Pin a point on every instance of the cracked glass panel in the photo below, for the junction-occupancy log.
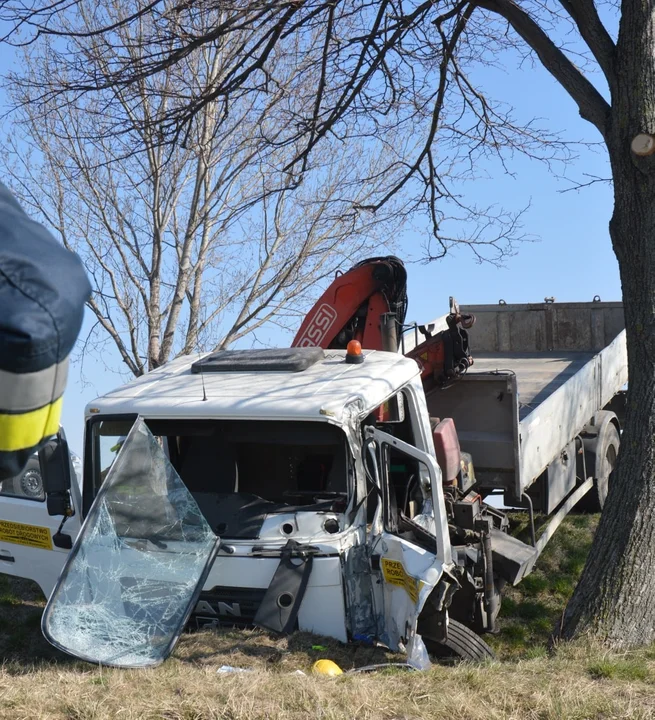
(138, 565)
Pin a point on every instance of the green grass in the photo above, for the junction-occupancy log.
(633, 669)
(531, 610)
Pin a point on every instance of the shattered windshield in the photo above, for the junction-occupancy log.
(138, 564)
(241, 471)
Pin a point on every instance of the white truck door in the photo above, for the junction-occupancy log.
(410, 560)
(33, 542)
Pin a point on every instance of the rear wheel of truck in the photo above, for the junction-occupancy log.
(462, 643)
(605, 457)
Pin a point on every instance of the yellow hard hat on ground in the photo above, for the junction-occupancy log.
(326, 667)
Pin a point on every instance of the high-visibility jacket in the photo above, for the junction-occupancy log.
(43, 289)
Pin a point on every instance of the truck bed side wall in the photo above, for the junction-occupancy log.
(559, 418)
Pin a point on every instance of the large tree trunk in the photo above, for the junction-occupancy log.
(615, 598)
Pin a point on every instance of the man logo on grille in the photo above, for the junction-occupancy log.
(223, 608)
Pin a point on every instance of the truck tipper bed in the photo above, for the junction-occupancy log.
(541, 372)
(540, 409)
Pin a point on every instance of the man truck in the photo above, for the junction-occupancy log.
(338, 486)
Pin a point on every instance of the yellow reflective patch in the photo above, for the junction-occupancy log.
(30, 535)
(25, 430)
(394, 573)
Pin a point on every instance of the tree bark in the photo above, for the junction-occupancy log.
(615, 597)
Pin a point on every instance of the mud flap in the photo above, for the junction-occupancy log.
(279, 608)
(138, 565)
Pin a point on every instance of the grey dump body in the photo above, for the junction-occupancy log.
(540, 374)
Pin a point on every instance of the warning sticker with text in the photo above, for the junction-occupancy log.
(394, 573)
(21, 534)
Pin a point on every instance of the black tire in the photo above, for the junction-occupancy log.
(462, 643)
(594, 500)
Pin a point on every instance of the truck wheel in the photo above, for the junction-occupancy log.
(461, 643)
(31, 484)
(28, 484)
(610, 441)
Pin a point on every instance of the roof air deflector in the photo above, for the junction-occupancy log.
(260, 360)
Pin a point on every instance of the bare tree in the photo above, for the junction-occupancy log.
(369, 73)
(399, 74)
(187, 247)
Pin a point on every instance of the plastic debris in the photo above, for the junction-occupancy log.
(321, 648)
(326, 667)
(382, 666)
(224, 669)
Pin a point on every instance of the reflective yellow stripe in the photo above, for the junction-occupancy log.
(25, 430)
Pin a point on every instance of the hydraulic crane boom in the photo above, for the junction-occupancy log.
(369, 303)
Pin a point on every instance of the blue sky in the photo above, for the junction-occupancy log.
(572, 259)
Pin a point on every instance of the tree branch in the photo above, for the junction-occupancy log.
(590, 102)
(110, 329)
(593, 32)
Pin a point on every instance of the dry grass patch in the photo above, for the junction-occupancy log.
(577, 682)
(187, 687)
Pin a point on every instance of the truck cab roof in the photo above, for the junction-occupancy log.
(319, 392)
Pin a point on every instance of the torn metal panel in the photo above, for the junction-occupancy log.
(360, 601)
(409, 574)
(137, 566)
(281, 603)
(323, 610)
(355, 554)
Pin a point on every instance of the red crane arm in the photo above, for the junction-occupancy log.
(354, 307)
(368, 303)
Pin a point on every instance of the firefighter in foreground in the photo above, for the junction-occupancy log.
(43, 289)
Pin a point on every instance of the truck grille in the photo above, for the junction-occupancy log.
(227, 606)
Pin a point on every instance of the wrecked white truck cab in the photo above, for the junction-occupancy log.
(298, 489)
(290, 489)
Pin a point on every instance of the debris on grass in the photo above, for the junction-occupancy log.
(574, 681)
